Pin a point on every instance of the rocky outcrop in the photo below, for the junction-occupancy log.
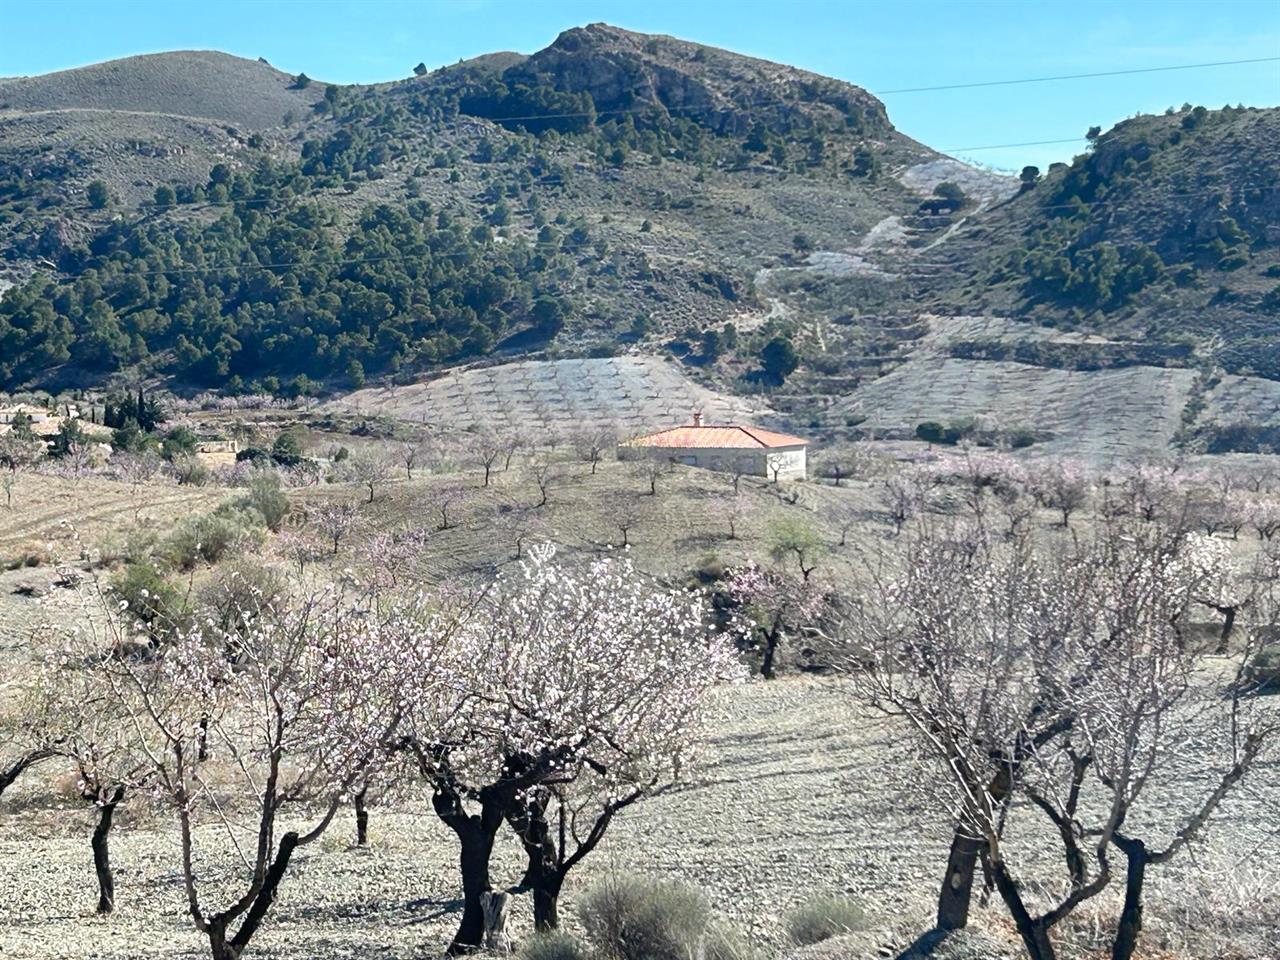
(726, 92)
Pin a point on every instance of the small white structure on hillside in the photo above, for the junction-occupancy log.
(9, 411)
(730, 448)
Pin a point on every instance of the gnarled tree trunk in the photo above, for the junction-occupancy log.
(102, 851)
(1034, 933)
(475, 834)
(1130, 925)
(957, 885)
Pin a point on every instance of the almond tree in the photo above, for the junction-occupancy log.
(1057, 672)
(369, 467)
(1062, 486)
(335, 520)
(1263, 516)
(629, 513)
(903, 495)
(17, 455)
(567, 672)
(652, 469)
(98, 740)
(545, 473)
(954, 644)
(447, 498)
(301, 702)
(485, 449)
(136, 469)
(592, 445)
(411, 452)
(1151, 716)
(730, 510)
(776, 605)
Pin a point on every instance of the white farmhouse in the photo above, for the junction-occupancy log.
(731, 448)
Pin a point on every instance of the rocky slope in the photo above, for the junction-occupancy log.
(695, 203)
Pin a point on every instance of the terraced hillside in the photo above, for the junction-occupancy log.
(535, 397)
(618, 194)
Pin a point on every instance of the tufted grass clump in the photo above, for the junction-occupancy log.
(822, 918)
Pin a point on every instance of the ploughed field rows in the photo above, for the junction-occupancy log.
(52, 519)
(1104, 416)
(557, 396)
(1251, 400)
(798, 794)
(945, 331)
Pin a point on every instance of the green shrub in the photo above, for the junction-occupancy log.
(822, 918)
(636, 918)
(555, 945)
(1264, 667)
(930, 431)
(266, 498)
(190, 472)
(210, 537)
(241, 590)
(152, 600)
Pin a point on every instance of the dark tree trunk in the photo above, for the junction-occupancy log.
(957, 885)
(362, 820)
(544, 875)
(771, 640)
(477, 847)
(265, 898)
(219, 948)
(102, 852)
(546, 906)
(1228, 624)
(1130, 925)
(475, 837)
(1035, 937)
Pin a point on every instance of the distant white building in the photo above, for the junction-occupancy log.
(730, 448)
(37, 414)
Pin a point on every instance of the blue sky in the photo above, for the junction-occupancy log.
(878, 45)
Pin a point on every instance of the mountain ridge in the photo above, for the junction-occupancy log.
(668, 198)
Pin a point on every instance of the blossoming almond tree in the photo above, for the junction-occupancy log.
(776, 605)
(299, 701)
(1060, 673)
(595, 672)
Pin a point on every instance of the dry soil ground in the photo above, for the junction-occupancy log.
(797, 794)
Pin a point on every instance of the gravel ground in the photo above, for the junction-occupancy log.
(797, 795)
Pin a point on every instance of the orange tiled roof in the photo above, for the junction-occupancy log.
(717, 436)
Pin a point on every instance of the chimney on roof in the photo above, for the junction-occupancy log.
(697, 418)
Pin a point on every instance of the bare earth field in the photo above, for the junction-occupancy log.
(797, 795)
(636, 393)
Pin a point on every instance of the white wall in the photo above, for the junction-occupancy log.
(756, 463)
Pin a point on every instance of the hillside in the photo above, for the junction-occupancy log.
(1169, 227)
(203, 84)
(618, 193)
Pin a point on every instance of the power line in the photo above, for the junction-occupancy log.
(1076, 76)
(1003, 146)
(621, 111)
